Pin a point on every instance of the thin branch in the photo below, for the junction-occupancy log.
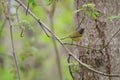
(90, 48)
(45, 31)
(68, 60)
(27, 7)
(83, 18)
(68, 51)
(111, 38)
(7, 16)
(22, 29)
(82, 46)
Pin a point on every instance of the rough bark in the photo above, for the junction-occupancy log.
(97, 34)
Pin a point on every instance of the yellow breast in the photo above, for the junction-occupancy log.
(76, 36)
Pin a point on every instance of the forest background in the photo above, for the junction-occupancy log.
(30, 51)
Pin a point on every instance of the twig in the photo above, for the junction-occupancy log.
(82, 46)
(68, 51)
(7, 16)
(22, 30)
(68, 60)
(27, 7)
(111, 38)
(83, 18)
(90, 48)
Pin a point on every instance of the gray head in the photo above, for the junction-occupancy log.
(81, 31)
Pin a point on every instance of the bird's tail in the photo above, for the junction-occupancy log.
(64, 37)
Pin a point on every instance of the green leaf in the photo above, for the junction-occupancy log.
(113, 17)
(85, 6)
(75, 63)
(70, 64)
(49, 1)
(75, 68)
(89, 5)
(97, 14)
(22, 31)
(21, 23)
(79, 10)
(94, 14)
(33, 3)
(22, 68)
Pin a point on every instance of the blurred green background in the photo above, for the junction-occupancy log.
(35, 51)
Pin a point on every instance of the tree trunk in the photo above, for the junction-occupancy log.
(98, 33)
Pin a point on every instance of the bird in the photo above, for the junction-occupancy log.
(76, 35)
